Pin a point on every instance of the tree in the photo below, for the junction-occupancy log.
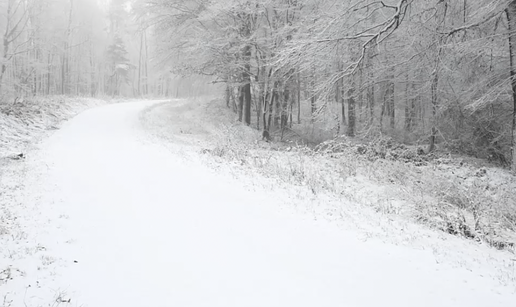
(119, 65)
(511, 22)
(17, 17)
(278, 55)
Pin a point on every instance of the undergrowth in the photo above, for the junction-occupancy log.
(436, 190)
(22, 121)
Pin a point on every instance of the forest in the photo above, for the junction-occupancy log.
(257, 153)
(80, 48)
(431, 73)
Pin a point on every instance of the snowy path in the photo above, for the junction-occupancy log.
(149, 230)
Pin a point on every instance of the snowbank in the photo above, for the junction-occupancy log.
(22, 126)
(449, 193)
(24, 122)
(346, 192)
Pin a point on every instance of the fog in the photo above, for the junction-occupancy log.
(84, 48)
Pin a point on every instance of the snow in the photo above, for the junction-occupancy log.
(24, 122)
(112, 217)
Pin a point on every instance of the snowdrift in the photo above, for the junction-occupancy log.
(23, 122)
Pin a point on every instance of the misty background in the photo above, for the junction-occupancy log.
(83, 47)
(429, 73)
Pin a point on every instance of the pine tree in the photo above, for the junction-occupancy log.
(119, 65)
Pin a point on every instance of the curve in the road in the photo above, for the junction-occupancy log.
(150, 230)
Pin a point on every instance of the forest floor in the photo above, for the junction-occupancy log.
(456, 194)
(175, 204)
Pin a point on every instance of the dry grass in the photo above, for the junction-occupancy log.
(21, 126)
(23, 121)
(440, 191)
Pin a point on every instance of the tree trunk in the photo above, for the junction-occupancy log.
(351, 111)
(337, 90)
(342, 101)
(240, 102)
(140, 66)
(388, 103)
(370, 77)
(227, 95)
(392, 106)
(145, 65)
(259, 108)
(285, 106)
(298, 97)
(408, 103)
(370, 102)
(246, 88)
(313, 106)
(277, 105)
(265, 111)
(234, 103)
(511, 18)
(313, 98)
(435, 80)
(435, 83)
(413, 107)
(4, 63)
(271, 104)
(360, 92)
(65, 81)
(382, 112)
(408, 118)
(49, 75)
(6, 43)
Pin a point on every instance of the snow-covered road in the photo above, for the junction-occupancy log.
(142, 227)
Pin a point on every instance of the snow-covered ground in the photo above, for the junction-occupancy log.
(112, 217)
